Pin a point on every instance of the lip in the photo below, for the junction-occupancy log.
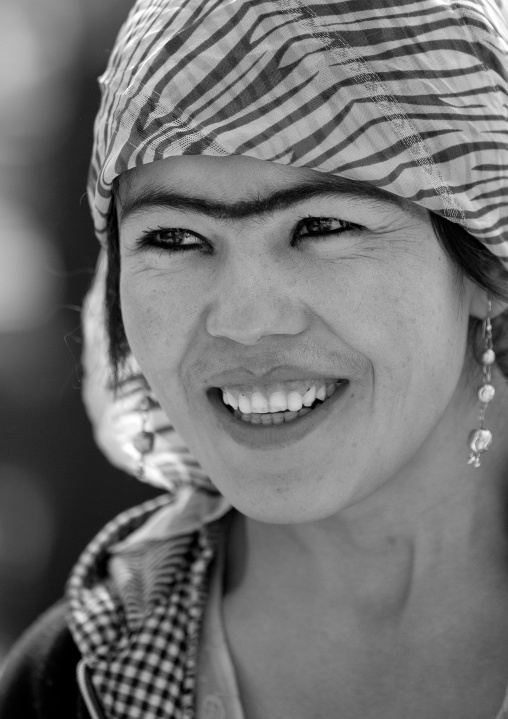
(258, 436)
(281, 373)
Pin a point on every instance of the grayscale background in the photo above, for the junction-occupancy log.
(56, 489)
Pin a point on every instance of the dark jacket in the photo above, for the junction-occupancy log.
(39, 679)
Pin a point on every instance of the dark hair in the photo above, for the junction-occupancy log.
(473, 260)
(470, 257)
(119, 348)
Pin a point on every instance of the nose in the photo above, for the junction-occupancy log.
(249, 304)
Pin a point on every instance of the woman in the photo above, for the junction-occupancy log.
(307, 253)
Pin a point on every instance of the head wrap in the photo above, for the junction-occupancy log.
(411, 97)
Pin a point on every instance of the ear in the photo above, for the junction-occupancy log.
(479, 304)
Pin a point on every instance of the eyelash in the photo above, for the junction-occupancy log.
(150, 241)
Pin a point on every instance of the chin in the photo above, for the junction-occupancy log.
(285, 502)
(276, 515)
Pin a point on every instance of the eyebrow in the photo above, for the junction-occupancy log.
(151, 196)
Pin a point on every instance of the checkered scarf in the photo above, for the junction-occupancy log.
(136, 600)
(409, 96)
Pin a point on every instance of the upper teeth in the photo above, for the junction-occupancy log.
(278, 397)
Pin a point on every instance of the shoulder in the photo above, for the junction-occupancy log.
(39, 674)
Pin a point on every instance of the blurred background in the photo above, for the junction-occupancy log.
(56, 489)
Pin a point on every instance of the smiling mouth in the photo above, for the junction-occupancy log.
(277, 418)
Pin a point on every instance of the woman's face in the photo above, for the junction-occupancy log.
(262, 305)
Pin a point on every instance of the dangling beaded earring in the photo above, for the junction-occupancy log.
(480, 439)
(144, 441)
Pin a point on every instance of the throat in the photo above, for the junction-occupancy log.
(289, 564)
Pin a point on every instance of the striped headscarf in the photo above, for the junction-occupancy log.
(409, 96)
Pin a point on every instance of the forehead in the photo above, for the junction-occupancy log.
(240, 175)
(238, 187)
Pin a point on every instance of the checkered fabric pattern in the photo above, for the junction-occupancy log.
(409, 96)
(136, 611)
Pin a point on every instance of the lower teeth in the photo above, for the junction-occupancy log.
(272, 418)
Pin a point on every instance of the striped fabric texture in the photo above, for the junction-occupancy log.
(408, 96)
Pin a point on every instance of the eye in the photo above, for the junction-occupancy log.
(319, 226)
(170, 239)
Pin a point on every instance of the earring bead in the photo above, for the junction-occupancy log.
(488, 357)
(480, 439)
(486, 393)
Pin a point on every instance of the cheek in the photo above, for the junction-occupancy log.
(385, 312)
(363, 307)
(158, 318)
